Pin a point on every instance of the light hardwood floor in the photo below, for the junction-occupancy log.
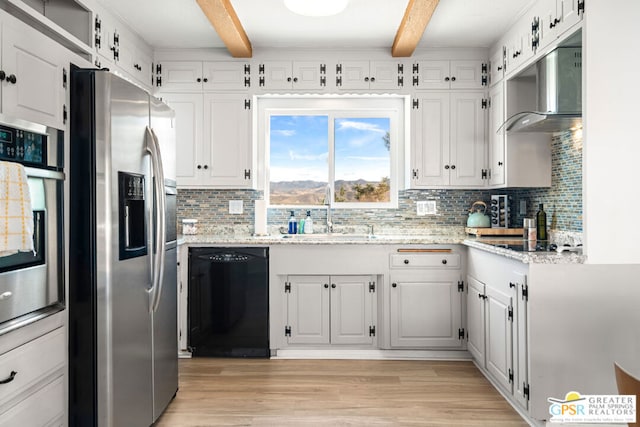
(261, 392)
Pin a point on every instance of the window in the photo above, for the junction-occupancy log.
(351, 146)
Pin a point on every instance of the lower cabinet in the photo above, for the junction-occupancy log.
(426, 297)
(330, 309)
(32, 392)
(497, 295)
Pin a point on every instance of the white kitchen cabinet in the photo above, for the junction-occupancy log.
(296, 75)
(426, 301)
(34, 77)
(450, 75)
(496, 135)
(356, 75)
(330, 309)
(448, 142)
(557, 16)
(498, 336)
(33, 392)
(136, 62)
(497, 317)
(208, 76)
(497, 65)
(475, 319)
(213, 135)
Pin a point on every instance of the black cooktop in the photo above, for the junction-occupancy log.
(528, 246)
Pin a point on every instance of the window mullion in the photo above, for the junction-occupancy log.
(331, 158)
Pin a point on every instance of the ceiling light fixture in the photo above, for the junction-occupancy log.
(316, 7)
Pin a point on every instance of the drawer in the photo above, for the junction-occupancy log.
(45, 407)
(425, 260)
(31, 362)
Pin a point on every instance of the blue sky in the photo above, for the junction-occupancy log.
(299, 149)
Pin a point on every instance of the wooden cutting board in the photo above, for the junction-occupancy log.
(494, 231)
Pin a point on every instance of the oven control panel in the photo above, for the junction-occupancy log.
(23, 146)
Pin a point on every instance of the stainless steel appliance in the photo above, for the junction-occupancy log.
(122, 254)
(559, 97)
(32, 284)
(229, 302)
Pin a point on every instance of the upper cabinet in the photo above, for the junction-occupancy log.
(118, 48)
(450, 75)
(33, 77)
(213, 134)
(197, 76)
(448, 140)
(556, 16)
(367, 75)
(296, 75)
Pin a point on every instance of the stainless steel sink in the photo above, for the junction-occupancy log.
(330, 236)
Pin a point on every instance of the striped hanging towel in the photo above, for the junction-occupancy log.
(16, 214)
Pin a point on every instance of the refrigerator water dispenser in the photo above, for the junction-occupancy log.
(131, 215)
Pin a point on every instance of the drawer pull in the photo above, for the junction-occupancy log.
(406, 261)
(394, 285)
(10, 378)
(444, 261)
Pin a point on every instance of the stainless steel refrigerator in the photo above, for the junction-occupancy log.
(123, 367)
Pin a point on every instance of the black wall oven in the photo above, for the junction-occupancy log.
(32, 284)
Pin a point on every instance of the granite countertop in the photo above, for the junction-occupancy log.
(448, 237)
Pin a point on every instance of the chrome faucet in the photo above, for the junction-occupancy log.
(327, 202)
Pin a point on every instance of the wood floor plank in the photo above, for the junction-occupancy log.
(262, 392)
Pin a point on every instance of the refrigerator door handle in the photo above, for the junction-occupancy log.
(153, 148)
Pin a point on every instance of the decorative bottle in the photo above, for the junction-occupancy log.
(541, 223)
(308, 224)
(293, 224)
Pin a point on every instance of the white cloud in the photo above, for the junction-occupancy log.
(312, 157)
(284, 132)
(346, 124)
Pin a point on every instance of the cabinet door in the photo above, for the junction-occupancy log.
(425, 310)
(466, 75)
(219, 75)
(181, 76)
(467, 143)
(521, 339)
(570, 15)
(353, 75)
(227, 136)
(496, 139)
(430, 142)
(499, 324)
(308, 309)
(309, 75)
(276, 75)
(36, 92)
(475, 320)
(190, 153)
(433, 75)
(352, 310)
(496, 66)
(384, 75)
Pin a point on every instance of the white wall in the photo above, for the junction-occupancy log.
(611, 168)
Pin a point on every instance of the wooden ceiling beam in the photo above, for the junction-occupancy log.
(413, 24)
(226, 23)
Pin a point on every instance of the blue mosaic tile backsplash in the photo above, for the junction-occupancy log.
(562, 202)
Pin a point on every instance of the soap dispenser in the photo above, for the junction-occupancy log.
(293, 224)
(308, 224)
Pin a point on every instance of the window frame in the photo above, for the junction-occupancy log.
(394, 107)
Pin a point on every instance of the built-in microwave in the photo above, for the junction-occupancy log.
(32, 283)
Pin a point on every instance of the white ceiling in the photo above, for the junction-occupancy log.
(364, 24)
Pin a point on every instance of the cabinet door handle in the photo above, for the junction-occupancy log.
(453, 166)
(444, 261)
(446, 166)
(198, 79)
(333, 285)
(12, 79)
(394, 285)
(406, 261)
(10, 378)
(205, 80)
(326, 286)
(373, 79)
(3, 75)
(289, 79)
(206, 166)
(453, 79)
(295, 80)
(512, 285)
(199, 166)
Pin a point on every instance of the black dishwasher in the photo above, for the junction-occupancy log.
(228, 302)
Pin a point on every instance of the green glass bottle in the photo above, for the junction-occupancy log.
(541, 223)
